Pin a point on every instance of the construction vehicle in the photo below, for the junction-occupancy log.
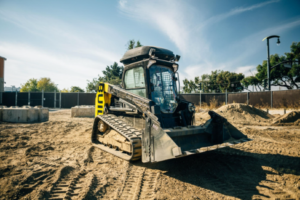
(144, 118)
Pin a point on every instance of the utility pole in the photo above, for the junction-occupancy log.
(54, 98)
(42, 98)
(268, 60)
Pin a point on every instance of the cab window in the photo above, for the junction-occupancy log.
(135, 81)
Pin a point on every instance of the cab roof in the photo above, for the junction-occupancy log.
(139, 53)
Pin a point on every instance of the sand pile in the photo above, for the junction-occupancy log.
(239, 113)
(289, 119)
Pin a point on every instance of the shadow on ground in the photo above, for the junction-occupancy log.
(230, 172)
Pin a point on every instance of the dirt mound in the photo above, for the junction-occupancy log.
(239, 113)
(297, 123)
(292, 117)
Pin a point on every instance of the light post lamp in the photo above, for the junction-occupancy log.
(268, 61)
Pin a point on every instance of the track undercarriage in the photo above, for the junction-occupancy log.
(117, 137)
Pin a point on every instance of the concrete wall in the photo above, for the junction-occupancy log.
(1, 113)
(24, 114)
(83, 111)
(278, 111)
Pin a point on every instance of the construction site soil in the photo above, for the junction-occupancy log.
(56, 160)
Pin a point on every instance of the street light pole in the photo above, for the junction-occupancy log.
(268, 61)
(268, 65)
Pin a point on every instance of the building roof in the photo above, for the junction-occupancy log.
(3, 57)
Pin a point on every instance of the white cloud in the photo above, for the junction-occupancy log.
(244, 49)
(25, 62)
(176, 20)
(70, 55)
(246, 70)
(172, 18)
(235, 11)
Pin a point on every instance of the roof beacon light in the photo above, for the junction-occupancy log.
(151, 52)
(177, 58)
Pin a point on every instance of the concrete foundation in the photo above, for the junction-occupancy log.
(25, 114)
(43, 114)
(83, 111)
(1, 109)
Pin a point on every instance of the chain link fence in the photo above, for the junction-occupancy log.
(267, 99)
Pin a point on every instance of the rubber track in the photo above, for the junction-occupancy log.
(129, 132)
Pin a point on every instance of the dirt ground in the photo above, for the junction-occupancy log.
(55, 160)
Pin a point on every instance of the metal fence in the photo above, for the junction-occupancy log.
(47, 99)
(272, 99)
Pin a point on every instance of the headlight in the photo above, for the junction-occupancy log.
(191, 107)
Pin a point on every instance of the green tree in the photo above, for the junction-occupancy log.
(217, 81)
(47, 85)
(251, 80)
(112, 74)
(76, 89)
(186, 86)
(39, 85)
(132, 44)
(229, 81)
(138, 44)
(30, 85)
(280, 75)
(190, 86)
(65, 90)
(113, 71)
(220, 81)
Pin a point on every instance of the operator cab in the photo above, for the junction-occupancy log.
(151, 72)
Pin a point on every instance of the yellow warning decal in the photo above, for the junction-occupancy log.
(102, 98)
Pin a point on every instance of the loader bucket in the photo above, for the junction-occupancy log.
(163, 144)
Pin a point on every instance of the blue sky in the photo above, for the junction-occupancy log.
(72, 41)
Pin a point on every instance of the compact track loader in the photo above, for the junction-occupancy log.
(144, 118)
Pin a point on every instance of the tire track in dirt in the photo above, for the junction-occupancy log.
(34, 180)
(278, 186)
(139, 183)
(72, 184)
(277, 163)
(119, 179)
(108, 172)
(149, 184)
(266, 147)
(132, 184)
(61, 184)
